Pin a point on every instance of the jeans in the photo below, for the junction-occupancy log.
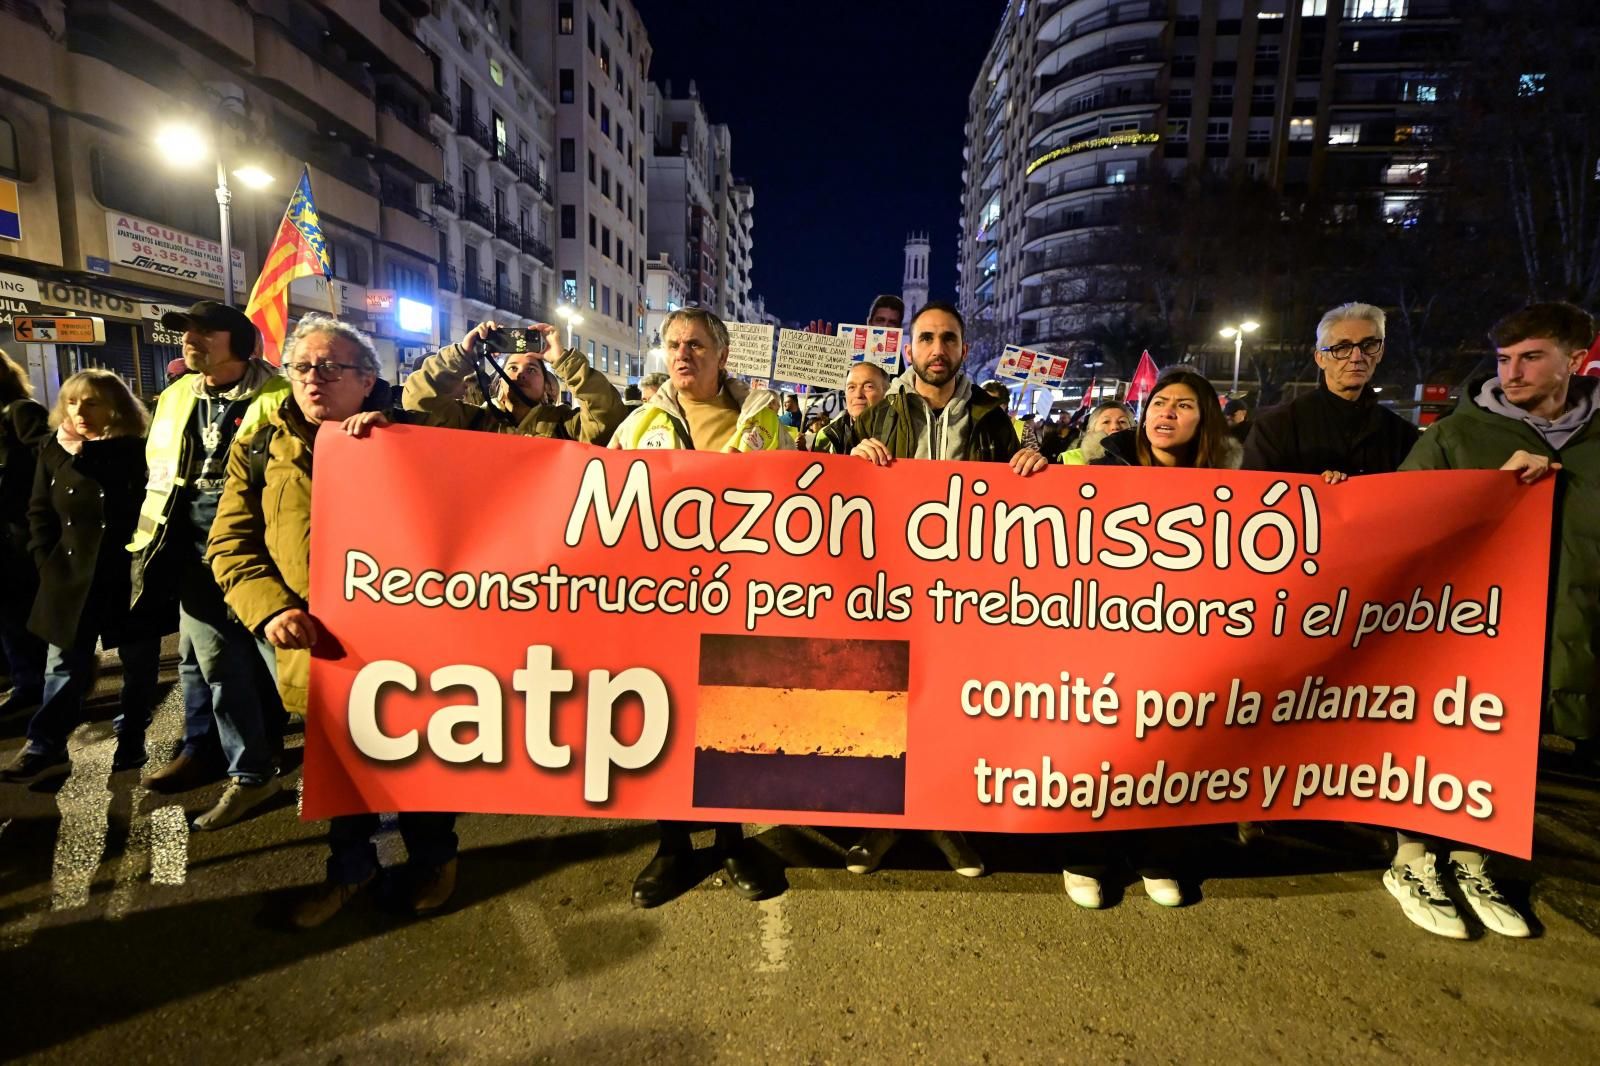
(68, 672)
(25, 658)
(199, 728)
(430, 840)
(238, 668)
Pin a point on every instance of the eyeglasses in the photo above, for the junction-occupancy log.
(1345, 349)
(327, 373)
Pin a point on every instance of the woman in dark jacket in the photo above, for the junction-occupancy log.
(24, 428)
(85, 503)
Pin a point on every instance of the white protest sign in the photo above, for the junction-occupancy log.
(812, 358)
(1016, 363)
(874, 344)
(750, 350)
(1048, 370)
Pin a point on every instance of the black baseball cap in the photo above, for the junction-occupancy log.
(210, 316)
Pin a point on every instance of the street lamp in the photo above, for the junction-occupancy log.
(180, 144)
(1249, 325)
(570, 316)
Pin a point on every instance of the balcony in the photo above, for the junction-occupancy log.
(1078, 254)
(380, 36)
(1115, 95)
(509, 299)
(406, 230)
(411, 149)
(528, 174)
(506, 229)
(32, 58)
(341, 92)
(449, 277)
(531, 245)
(444, 198)
(479, 288)
(1069, 184)
(1129, 53)
(472, 128)
(477, 213)
(227, 25)
(508, 159)
(338, 198)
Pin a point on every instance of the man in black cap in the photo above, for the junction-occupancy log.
(230, 392)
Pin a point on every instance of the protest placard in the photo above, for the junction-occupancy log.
(811, 359)
(788, 638)
(874, 344)
(750, 350)
(1016, 362)
(1049, 371)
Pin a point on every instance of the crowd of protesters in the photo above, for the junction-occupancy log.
(120, 526)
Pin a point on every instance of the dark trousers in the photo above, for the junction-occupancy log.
(675, 836)
(68, 674)
(25, 655)
(199, 727)
(429, 836)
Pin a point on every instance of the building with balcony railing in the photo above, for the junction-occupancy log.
(1080, 101)
(108, 227)
(496, 121)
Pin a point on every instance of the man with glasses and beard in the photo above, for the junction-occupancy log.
(1340, 429)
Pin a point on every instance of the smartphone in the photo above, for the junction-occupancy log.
(514, 341)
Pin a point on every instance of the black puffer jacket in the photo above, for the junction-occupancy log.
(24, 429)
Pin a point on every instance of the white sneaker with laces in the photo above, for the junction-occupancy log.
(1164, 890)
(1083, 890)
(238, 800)
(961, 856)
(1422, 897)
(1484, 898)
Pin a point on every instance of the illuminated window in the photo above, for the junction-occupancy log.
(1530, 85)
(1375, 9)
(1405, 174)
(1178, 130)
(1344, 133)
(1302, 129)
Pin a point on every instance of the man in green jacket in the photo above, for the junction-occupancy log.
(1536, 416)
(431, 391)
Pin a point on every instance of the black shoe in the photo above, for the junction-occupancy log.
(745, 872)
(30, 764)
(663, 879)
(130, 754)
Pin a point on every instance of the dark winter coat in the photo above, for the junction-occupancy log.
(837, 437)
(1472, 438)
(902, 420)
(1320, 432)
(24, 428)
(82, 513)
(1121, 449)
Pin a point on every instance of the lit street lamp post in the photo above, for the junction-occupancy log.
(570, 316)
(1237, 334)
(181, 145)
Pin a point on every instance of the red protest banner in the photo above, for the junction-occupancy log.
(527, 626)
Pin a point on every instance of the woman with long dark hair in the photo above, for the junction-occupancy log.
(24, 428)
(85, 503)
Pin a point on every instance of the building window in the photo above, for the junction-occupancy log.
(1124, 126)
(1405, 174)
(605, 182)
(605, 58)
(605, 241)
(502, 137)
(564, 17)
(593, 302)
(593, 229)
(1178, 130)
(605, 119)
(591, 35)
(1217, 130)
(1119, 173)
(1374, 9)
(8, 149)
(591, 100)
(1344, 133)
(569, 222)
(1302, 129)
(1222, 90)
(569, 286)
(568, 85)
(569, 155)
(605, 299)
(592, 168)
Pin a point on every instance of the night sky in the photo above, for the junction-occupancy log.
(847, 119)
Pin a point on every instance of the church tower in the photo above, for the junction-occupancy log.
(914, 286)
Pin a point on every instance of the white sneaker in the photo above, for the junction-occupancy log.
(1422, 897)
(957, 852)
(1164, 890)
(1083, 890)
(866, 854)
(238, 800)
(1492, 910)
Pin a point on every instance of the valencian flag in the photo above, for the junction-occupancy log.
(802, 724)
(298, 251)
(1144, 379)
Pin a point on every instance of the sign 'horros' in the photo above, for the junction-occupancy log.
(792, 638)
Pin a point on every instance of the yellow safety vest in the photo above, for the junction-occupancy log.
(656, 427)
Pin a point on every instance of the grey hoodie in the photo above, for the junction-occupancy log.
(1556, 432)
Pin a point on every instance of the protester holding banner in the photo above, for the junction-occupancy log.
(701, 407)
(431, 391)
(865, 385)
(85, 501)
(1538, 417)
(260, 551)
(24, 430)
(196, 419)
(1107, 418)
(1339, 429)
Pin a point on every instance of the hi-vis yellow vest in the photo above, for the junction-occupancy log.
(163, 449)
(655, 427)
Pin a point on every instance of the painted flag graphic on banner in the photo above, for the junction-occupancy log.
(802, 724)
(298, 251)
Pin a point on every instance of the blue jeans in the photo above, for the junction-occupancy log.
(25, 659)
(429, 836)
(66, 682)
(239, 670)
(199, 728)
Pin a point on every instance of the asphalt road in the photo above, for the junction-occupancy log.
(126, 938)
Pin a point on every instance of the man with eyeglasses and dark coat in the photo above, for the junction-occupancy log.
(1339, 430)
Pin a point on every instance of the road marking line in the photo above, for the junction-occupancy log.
(775, 936)
(169, 845)
(85, 803)
(166, 728)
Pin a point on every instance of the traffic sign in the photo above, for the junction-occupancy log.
(85, 329)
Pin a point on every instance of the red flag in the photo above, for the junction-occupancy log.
(1088, 394)
(1591, 366)
(1144, 379)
